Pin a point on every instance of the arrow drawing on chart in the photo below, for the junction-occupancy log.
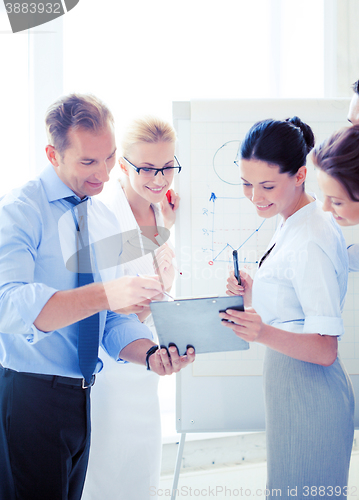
(213, 199)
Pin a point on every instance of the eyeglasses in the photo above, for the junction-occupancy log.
(152, 172)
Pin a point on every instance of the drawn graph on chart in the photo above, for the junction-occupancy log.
(248, 248)
(228, 222)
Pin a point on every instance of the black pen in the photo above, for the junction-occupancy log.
(236, 269)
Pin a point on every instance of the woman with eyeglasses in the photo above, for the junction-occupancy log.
(297, 296)
(126, 443)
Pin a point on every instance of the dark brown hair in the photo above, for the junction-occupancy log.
(338, 157)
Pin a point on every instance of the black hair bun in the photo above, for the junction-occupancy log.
(306, 131)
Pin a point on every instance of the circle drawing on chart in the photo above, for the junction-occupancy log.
(223, 163)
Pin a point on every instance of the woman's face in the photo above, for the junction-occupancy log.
(151, 155)
(337, 201)
(271, 192)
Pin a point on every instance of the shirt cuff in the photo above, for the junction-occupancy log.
(24, 304)
(324, 325)
(127, 330)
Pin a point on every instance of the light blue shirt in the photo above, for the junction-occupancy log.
(301, 285)
(37, 234)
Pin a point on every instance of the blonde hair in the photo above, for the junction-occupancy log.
(73, 112)
(148, 129)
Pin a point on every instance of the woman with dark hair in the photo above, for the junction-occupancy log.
(353, 113)
(298, 293)
(337, 162)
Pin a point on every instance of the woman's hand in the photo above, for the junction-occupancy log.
(247, 325)
(245, 289)
(163, 265)
(169, 209)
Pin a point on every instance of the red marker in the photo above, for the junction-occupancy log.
(169, 199)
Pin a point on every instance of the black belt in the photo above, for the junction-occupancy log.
(57, 379)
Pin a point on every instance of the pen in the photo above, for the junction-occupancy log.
(168, 295)
(236, 270)
(169, 199)
(163, 291)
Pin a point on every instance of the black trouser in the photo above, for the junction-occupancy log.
(44, 437)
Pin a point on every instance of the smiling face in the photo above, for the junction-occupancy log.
(85, 165)
(270, 191)
(148, 155)
(337, 201)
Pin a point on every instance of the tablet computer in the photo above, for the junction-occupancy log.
(196, 322)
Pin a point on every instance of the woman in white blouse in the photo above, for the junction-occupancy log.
(126, 444)
(297, 296)
(337, 162)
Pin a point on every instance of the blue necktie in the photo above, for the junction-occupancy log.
(88, 339)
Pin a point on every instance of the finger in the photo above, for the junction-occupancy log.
(237, 314)
(150, 284)
(164, 250)
(236, 290)
(164, 258)
(232, 325)
(176, 202)
(239, 330)
(191, 354)
(137, 309)
(175, 358)
(166, 361)
(145, 303)
(155, 362)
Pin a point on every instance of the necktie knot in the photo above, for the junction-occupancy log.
(74, 201)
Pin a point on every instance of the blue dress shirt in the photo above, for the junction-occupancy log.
(37, 236)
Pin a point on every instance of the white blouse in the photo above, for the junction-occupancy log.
(301, 285)
(134, 244)
(353, 253)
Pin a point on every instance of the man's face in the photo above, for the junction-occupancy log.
(353, 115)
(85, 165)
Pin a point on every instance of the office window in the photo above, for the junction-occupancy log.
(148, 54)
(14, 123)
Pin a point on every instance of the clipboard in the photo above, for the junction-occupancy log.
(196, 322)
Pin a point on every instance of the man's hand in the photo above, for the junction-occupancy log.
(166, 363)
(142, 308)
(129, 291)
(161, 361)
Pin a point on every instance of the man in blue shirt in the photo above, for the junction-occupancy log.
(44, 400)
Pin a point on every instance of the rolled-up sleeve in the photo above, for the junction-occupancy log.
(21, 300)
(316, 285)
(121, 330)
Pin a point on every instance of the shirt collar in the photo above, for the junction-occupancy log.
(54, 188)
